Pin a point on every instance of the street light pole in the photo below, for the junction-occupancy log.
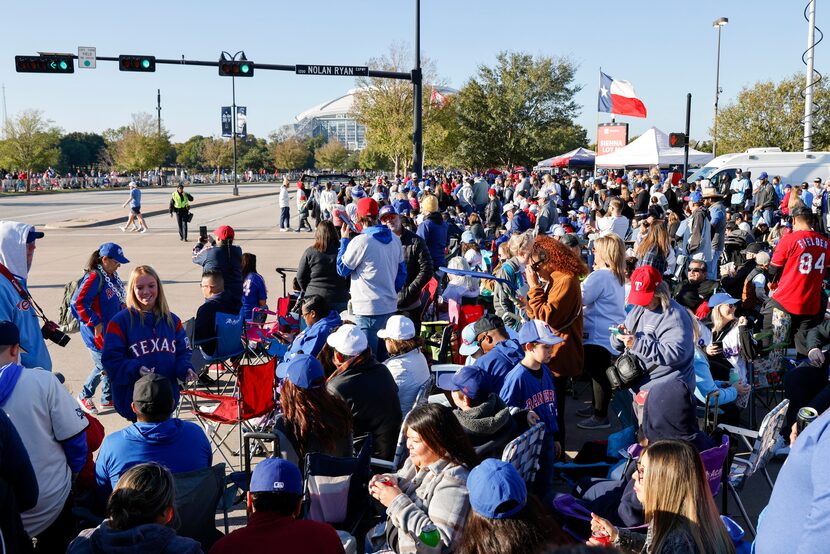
(418, 93)
(233, 115)
(720, 22)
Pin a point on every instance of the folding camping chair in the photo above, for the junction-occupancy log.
(198, 494)
(254, 399)
(266, 338)
(336, 489)
(401, 453)
(229, 347)
(428, 294)
(760, 452)
(524, 451)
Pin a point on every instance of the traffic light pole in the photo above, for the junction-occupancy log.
(686, 147)
(233, 116)
(418, 100)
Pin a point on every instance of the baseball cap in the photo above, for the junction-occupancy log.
(754, 247)
(817, 180)
(763, 175)
(721, 298)
(398, 327)
(468, 237)
(762, 258)
(112, 250)
(644, 281)
(387, 210)
(470, 380)
(224, 232)
(358, 192)
(695, 197)
(367, 207)
(131, 184)
(276, 475)
(507, 207)
(469, 344)
(491, 192)
(537, 331)
(496, 489)
(33, 235)
(153, 395)
(487, 323)
(9, 334)
(302, 370)
(349, 340)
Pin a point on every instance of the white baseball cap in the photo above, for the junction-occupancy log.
(349, 340)
(398, 327)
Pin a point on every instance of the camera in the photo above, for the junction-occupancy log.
(51, 332)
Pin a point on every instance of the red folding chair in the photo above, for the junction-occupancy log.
(255, 398)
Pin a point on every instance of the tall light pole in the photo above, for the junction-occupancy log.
(223, 57)
(811, 80)
(418, 93)
(718, 23)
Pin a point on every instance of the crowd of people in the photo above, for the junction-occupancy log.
(662, 294)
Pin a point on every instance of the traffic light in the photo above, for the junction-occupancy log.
(236, 68)
(53, 63)
(677, 140)
(137, 63)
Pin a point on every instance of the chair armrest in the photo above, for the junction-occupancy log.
(749, 433)
(385, 464)
(206, 396)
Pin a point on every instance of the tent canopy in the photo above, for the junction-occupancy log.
(581, 157)
(651, 149)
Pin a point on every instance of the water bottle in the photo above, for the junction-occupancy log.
(734, 377)
(430, 539)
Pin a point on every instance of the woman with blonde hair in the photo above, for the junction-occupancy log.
(145, 337)
(553, 276)
(682, 518)
(655, 248)
(434, 230)
(603, 300)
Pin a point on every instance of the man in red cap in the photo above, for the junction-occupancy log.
(374, 261)
(226, 258)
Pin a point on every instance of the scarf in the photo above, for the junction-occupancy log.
(9, 374)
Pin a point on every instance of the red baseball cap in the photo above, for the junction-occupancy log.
(643, 282)
(491, 192)
(367, 207)
(224, 232)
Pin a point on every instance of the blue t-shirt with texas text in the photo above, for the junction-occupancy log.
(526, 391)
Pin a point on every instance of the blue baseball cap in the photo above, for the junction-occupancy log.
(276, 475)
(302, 370)
(494, 485)
(469, 344)
(469, 380)
(538, 331)
(9, 334)
(696, 197)
(387, 210)
(112, 250)
(721, 298)
(468, 237)
(763, 175)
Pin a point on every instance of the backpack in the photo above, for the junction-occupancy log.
(68, 320)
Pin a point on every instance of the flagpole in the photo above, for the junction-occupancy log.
(599, 86)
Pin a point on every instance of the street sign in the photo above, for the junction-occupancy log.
(333, 70)
(86, 57)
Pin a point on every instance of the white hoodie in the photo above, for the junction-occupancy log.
(284, 200)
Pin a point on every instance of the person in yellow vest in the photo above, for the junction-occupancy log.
(180, 204)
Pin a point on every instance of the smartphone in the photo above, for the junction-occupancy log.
(615, 330)
(203, 232)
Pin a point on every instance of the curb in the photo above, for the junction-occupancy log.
(70, 225)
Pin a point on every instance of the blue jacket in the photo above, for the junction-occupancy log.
(229, 262)
(313, 338)
(434, 230)
(178, 445)
(130, 343)
(520, 222)
(499, 362)
(150, 537)
(95, 302)
(524, 391)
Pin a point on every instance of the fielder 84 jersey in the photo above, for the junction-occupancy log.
(804, 256)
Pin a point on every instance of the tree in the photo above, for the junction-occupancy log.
(218, 153)
(518, 112)
(290, 154)
(370, 159)
(139, 146)
(189, 154)
(80, 150)
(253, 153)
(332, 155)
(31, 143)
(771, 114)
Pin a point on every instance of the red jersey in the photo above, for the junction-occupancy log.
(803, 255)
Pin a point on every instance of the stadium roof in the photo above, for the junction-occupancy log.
(343, 105)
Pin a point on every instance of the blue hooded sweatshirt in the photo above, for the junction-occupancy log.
(130, 343)
(150, 537)
(95, 302)
(313, 338)
(435, 232)
(498, 362)
(178, 445)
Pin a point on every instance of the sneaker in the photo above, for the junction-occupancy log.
(107, 404)
(123, 228)
(587, 411)
(143, 230)
(87, 405)
(594, 422)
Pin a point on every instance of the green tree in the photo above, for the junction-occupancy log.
(290, 154)
(519, 111)
(189, 154)
(31, 143)
(370, 159)
(80, 150)
(771, 114)
(332, 155)
(139, 146)
(217, 153)
(253, 153)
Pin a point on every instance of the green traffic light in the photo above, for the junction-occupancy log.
(245, 68)
(63, 65)
(145, 63)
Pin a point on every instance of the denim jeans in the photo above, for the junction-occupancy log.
(95, 377)
(285, 218)
(713, 267)
(371, 324)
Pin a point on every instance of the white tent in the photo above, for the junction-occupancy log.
(650, 149)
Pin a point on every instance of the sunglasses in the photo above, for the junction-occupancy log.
(696, 270)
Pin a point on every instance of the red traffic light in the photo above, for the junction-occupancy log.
(677, 140)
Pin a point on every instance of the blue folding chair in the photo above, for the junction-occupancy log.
(229, 348)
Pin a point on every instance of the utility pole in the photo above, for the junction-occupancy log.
(418, 93)
(686, 145)
(158, 109)
(808, 91)
(718, 24)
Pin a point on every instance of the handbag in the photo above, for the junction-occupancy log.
(189, 217)
(628, 368)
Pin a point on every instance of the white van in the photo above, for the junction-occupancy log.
(793, 167)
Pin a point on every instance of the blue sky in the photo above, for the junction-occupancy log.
(664, 48)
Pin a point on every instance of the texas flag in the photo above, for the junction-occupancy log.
(618, 97)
